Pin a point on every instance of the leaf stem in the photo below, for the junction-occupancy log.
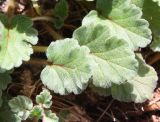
(43, 18)
(52, 32)
(39, 62)
(11, 5)
(40, 49)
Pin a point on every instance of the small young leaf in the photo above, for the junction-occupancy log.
(44, 99)
(21, 105)
(36, 112)
(50, 117)
(123, 20)
(71, 68)
(17, 35)
(61, 12)
(116, 62)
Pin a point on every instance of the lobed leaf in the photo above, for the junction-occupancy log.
(61, 12)
(123, 20)
(50, 117)
(115, 60)
(17, 35)
(21, 106)
(37, 112)
(138, 90)
(44, 98)
(71, 68)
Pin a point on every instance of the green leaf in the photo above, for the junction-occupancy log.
(36, 112)
(6, 115)
(151, 12)
(123, 20)
(21, 105)
(71, 68)
(115, 60)
(139, 89)
(50, 117)
(44, 99)
(138, 3)
(61, 12)
(17, 35)
(5, 79)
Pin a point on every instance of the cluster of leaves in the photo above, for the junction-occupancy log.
(23, 108)
(102, 53)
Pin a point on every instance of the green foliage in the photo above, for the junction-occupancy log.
(111, 68)
(50, 117)
(5, 79)
(44, 99)
(124, 21)
(17, 35)
(37, 112)
(6, 115)
(70, 69)
(23, 108)
(138, 89)
(152, 15)
(100, 53)
(61, 13)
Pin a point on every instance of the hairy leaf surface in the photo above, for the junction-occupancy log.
(124, 21)
(44, 98)
(139, 89)
(70, 70)
(21, 105)
(17, 35)
(115, 60)
(61, 13)
(50, 117)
